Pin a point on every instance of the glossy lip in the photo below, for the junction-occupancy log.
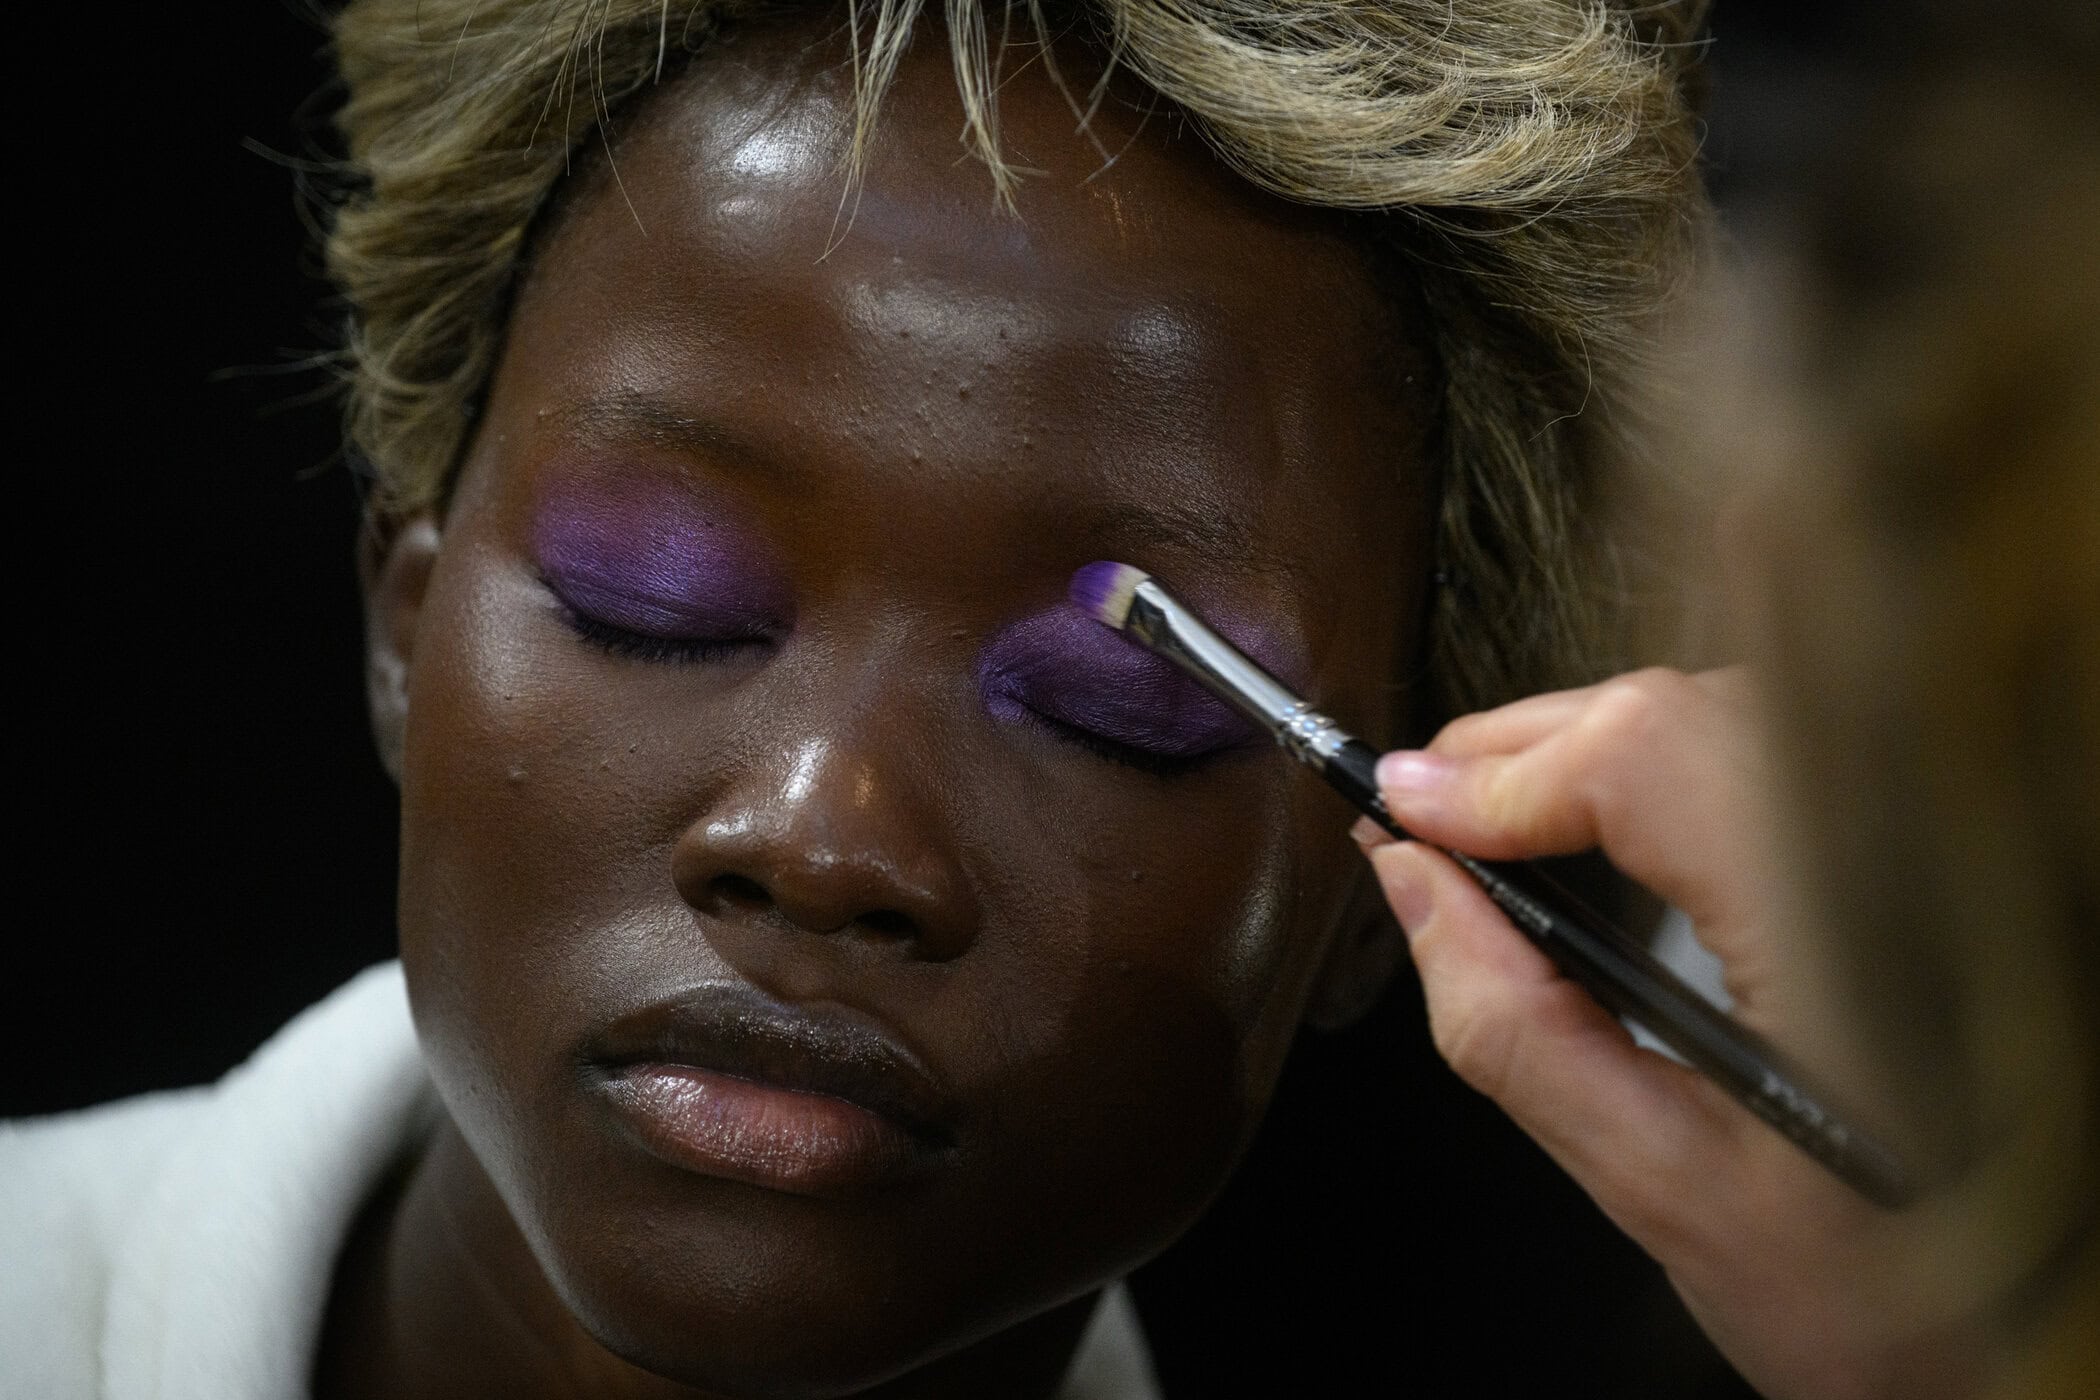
(724, 1082)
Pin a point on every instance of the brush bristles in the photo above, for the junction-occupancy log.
(1105, 589)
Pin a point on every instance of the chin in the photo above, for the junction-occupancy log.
(752, 1295)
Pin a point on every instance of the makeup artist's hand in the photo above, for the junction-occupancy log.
(1786, 1269)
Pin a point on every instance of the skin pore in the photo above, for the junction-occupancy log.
(734, 690)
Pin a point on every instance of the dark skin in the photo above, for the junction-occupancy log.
(927, 415)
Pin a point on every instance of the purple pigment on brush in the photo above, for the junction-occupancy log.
(1063, 665)
(654, 560)
(1092, 583)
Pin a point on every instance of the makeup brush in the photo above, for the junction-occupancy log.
(1614, 968)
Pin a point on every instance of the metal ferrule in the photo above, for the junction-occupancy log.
(1174, 632)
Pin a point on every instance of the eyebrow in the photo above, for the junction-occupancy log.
(635, 414)
(1125, 527)
(1212, 537)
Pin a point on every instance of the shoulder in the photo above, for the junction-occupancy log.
(66, 1184)
(84, 1161)
(203, 1220)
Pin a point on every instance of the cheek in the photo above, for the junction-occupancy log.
(1216, 889)
(530, 810)
(1151, 1003)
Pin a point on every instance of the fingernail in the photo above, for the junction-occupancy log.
(1412, 774)
(1406, 891)
(1369, 835)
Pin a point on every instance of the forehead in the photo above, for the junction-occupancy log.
(759, 133)
(1133, 201)
(1144, 324)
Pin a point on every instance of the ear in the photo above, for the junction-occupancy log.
(1360, 961)
(394, 562)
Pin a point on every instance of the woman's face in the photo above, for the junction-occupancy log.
(831, 946)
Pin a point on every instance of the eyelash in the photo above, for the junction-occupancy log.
(641, 646)
(1127, 755)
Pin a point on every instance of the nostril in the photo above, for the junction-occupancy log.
(731, 893)
(888, 923)
(740, 891)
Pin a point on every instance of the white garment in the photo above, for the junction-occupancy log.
(180, 1246)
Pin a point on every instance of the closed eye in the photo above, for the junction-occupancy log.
(646, 646)
(649, 644)
(1163, 765)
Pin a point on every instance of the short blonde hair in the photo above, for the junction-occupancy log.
(1535, 163)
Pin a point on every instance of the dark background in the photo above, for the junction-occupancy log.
(208, 840)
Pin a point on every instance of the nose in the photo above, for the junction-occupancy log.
(834, 836)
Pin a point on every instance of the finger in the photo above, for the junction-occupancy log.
(1652, 768)
(1508, 728)
(1518, 725)
(1638, 1131)
(1369, 835)
(1495, 806)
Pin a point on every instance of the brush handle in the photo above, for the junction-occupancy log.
(1631, 982)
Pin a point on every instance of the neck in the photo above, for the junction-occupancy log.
(438, 1295)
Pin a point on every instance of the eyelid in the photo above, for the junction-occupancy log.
(1164, 765)
(645, 646)
(628, 641)
(674, 617)
(1062, 669)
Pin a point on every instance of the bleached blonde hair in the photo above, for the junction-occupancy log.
(1534, 160)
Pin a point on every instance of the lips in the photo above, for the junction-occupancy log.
(723, 1082)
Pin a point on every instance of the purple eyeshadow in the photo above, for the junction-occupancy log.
(1063, 665)
(654, 560)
